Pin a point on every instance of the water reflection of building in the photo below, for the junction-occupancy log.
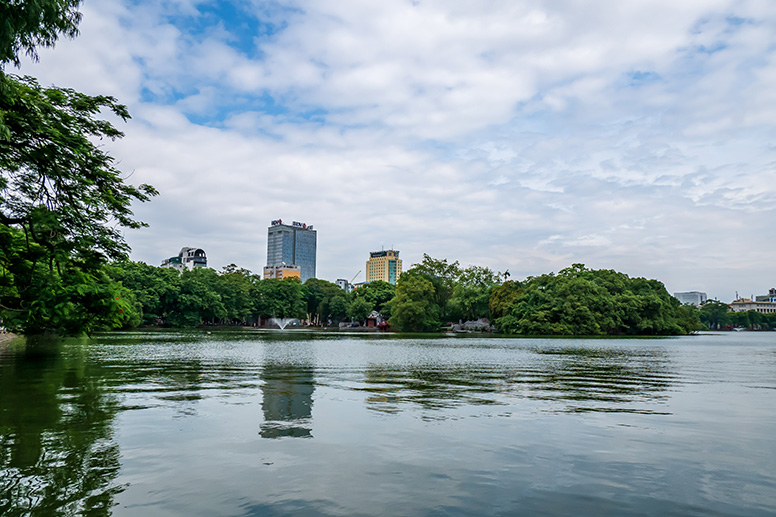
(287, 401)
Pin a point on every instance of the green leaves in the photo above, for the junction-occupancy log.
(25, 25)
(62, 209)
(579, 301)
(415, 308)
(62, 202)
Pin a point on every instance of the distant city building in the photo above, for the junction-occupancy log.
(770, 297)
(188, 258)
(281, 272)
(762, 304)
(344, 285)
(693, 297)
(383, 265)
(292, 245)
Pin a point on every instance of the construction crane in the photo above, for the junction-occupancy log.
(354, 276)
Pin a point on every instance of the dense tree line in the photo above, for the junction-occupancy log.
(718, 316)
(235, 296)
(575, 301)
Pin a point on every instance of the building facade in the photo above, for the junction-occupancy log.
(343, 284)
(747, 304)
(383, 265)
(281, 272)
(762, 304)
(693, 297)
(292, 245)
(188, 258)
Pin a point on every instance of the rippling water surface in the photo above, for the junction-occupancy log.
(280, 423)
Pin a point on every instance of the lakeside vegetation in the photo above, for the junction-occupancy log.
(575, 301)
(431, 294)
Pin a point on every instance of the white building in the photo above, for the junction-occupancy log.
(188, 258)
(344, 285)
(762, 304)
(692, 297)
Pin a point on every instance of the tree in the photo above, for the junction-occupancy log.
(319, 293)
(359, 309)
(442, 276)
(415, 308)
(336, 308)
(377, 293)
(280, 298)
(471, 293)
(28, 25)
(63, 202)
(156, 289)
(715, 314)
(235, 286)
(199, 300)
(579, 301)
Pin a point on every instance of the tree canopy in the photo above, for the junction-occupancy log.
(63, 203)
(26, 25)
(580, 301)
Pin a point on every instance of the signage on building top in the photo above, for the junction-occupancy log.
(304, 226)
(295, 224)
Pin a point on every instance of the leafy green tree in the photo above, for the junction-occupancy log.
(415, 306)
(319, 293)
(377, 293)
(443, 277)
(471, 293)
(235, 286)
(359, 309)
(280, 298)
(336, 308)
(31, 24)
(198, 301)
(579, 301)
(715, 314)
(62, 202)
(156, 289)
(691, 317)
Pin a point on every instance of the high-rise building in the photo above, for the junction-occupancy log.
(292, 245)
(383, 265)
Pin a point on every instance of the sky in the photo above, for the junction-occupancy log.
(521, 135)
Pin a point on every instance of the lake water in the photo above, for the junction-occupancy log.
(303, 423)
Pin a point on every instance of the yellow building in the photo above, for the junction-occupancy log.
(383, 265)
(281, 272)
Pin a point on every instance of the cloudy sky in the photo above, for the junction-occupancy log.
(520, 134)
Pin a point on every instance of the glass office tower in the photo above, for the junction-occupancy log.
(293, 244)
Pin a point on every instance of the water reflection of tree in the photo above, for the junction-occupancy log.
(57, 452)
(599, 378)
(431, 387)
(582, 378)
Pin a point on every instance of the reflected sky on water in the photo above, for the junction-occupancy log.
(277, 423)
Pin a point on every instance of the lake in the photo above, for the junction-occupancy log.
(251, 422)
